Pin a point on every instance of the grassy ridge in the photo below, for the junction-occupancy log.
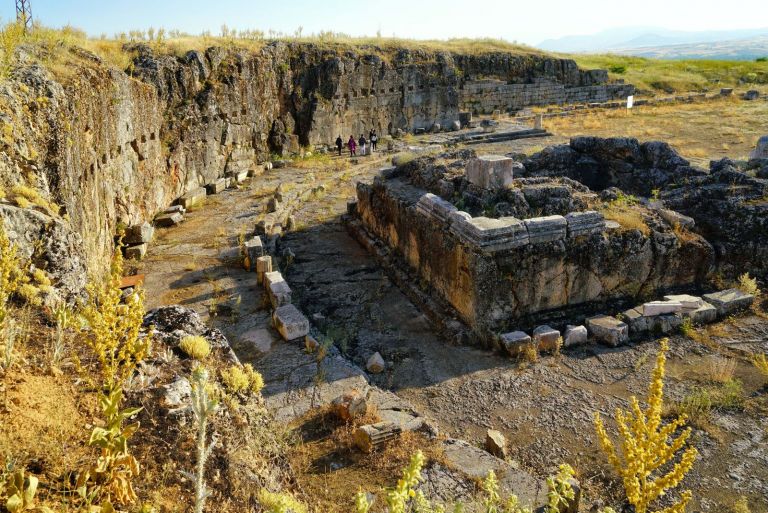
(676, 76)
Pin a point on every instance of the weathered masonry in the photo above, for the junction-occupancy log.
(506, 272)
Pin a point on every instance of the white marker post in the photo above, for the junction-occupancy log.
(630, 102)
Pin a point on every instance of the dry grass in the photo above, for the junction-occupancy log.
(628, 217)
(701, 131)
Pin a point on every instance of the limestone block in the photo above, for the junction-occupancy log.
(434, 206)
(217, 186)
(496, 443)
(515, 342)
(192, 197)
(575, 335)
(608, 330)
(371, 436)
(638, 323)
(761, 149)
(661, 308)
(175, 208)
(546, 338)
(263, 266)
(584, 223)
(676, 218)
(136, 252)
(375, 363)
(705, 314)
(254, 249)
(169, 220)
(729, 301)
(273, 205)
(546, 229)
(139, 234)
(460, 217)
(277, 289)
(239, 176)
(666, 324)
(290, 322)
(492, 234)
(687, 301)
(492, 171)
(268, 166)
(752, 94)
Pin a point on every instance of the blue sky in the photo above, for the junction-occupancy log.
(529, 21)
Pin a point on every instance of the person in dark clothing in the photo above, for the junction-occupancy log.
(339, 144)
(352, 145)
(373, 138)
(362, 142)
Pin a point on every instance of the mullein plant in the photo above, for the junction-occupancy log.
(648, 447)
(112, 331)
(204, 406)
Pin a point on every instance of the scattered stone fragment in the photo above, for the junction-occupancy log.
(496, 443)
(575, 335)
(661, 308)
(290, 322)
(136, 252)
(546, 338)
(311, 344)
(705, 314)
(268, 166)
(608, 330)
(254, 249)
(139, 234)
(375, 364)
(192, 197)
(175, 208)
(676, 218)
(350, 405)
(729, 301)
(169, 220)
(752, 94)
(263, 266)
(372, 436)
(216, 187)
(273, 205)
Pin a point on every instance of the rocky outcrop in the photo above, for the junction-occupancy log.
(634, 167)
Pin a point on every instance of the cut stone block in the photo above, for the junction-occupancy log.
(515, 342)
(688, 302)
(168, 220)
(277, 289)
(254, 250)
(139, 234)
(192, 197)
(584, 223)
(136, 252)
(546, 229)
(175, 208)
(290, 322)
(705, 314)
(492, 171)
(263, 266)
(575, 335)
(676, 218)
(608, 330)
(216, 187)
(372, 436)
(729, 301)
(350, 405)
(661, 308)
(761, 149)
(492, 234)
(240, 176)
(273, 205)
(435, 206)
(638, 323)
(546, 338)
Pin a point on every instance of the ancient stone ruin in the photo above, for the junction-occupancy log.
(510, 245)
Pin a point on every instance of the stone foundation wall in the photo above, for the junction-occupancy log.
(483, 97)
(512, 273)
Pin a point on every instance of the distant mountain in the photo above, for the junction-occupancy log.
(636, 38)
(739, 49)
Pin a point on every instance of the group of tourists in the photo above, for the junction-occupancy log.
(362, 143)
